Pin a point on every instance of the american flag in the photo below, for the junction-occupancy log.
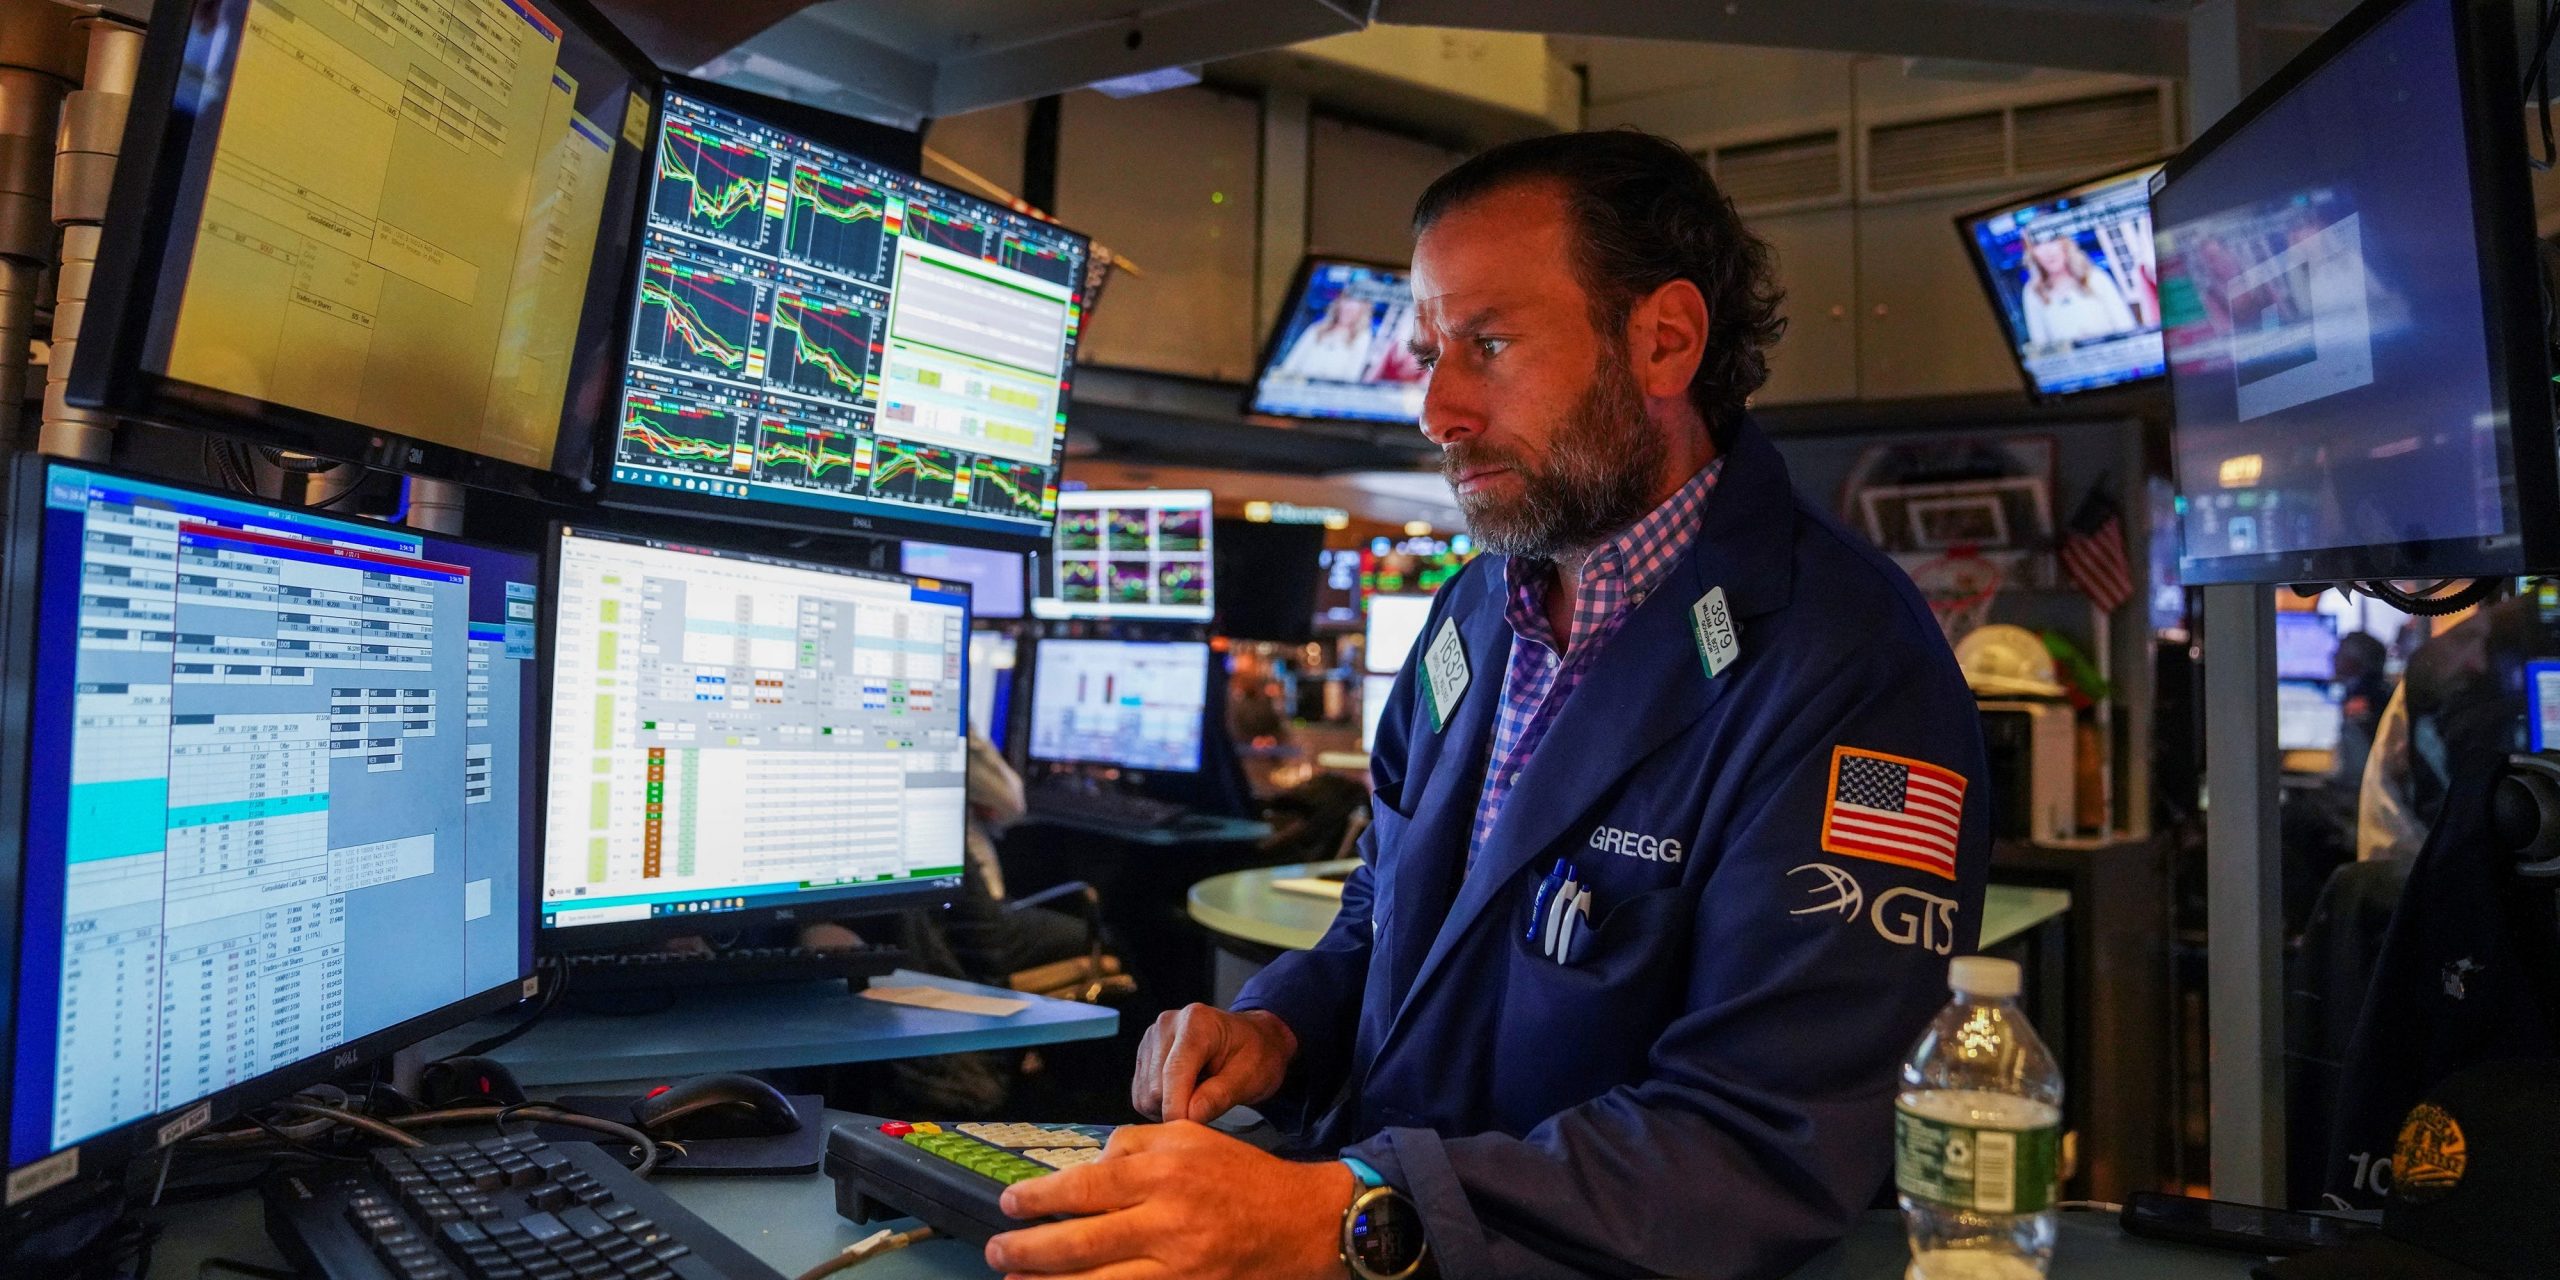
(2093, 551)
(1889, 809)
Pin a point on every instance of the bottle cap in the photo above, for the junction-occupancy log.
(1986, 976)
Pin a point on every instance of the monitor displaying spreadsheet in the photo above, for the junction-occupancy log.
(1134, 704)
(276, 810)
(392, 233)
(736, 733)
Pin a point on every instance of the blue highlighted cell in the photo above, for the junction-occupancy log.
(117, 819)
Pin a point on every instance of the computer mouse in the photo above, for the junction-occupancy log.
(726, 1105)
(477, 1082)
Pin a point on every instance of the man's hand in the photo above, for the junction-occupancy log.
(1180, 1200)
(1197, 1063)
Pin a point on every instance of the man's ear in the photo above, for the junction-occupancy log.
(1667, 339)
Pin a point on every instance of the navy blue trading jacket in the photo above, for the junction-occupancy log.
(1708, 1091)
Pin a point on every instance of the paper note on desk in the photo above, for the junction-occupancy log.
(954, 1001)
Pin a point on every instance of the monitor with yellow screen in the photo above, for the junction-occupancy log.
(384, 232)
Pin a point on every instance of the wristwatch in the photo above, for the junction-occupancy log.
(1382, 1230)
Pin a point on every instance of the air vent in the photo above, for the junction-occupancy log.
(2090, 133)
(1937, 153)
(1780, 171)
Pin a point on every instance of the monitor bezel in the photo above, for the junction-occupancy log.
(837, 903)
(1982, 274)
(20, 607)
(1290, 301)
(2502, 227)
(1031, 711)
(133, 254)
(896, 149)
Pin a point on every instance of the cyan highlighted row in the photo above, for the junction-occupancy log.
(132, 816)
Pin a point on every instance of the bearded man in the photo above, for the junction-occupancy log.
(1679, 812)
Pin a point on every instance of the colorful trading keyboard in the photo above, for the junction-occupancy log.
(950, 1175)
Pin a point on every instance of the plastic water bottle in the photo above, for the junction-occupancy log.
(1978, 1135)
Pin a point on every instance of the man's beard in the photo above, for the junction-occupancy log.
(1596, 477)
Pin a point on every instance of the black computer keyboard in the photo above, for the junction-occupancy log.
(1103, 808)
(504, 1209)
(662, 970)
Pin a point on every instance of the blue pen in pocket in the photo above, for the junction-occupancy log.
(1541, 906)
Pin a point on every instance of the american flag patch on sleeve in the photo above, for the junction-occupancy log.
(1891, 809)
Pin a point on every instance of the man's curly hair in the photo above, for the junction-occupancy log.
(1646, 213)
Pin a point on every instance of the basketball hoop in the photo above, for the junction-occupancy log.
(1960, 587)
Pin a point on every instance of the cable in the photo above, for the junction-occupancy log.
(354, 1121)
(550, 1113)
(550, 997)
(2537, 84)
(301, 1145)
(865, 1249)
(2425, 603)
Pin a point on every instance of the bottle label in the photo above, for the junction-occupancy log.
(1985, 1170)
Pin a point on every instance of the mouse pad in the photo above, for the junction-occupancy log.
(788, 1153)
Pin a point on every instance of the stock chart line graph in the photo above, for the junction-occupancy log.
(1041, 261)
(951, 231)
(671, 433)
(1007, 488)
(836, 224)
(696, 317)
(914, 473)
(712, 186)
(799, 453)
(824, 347)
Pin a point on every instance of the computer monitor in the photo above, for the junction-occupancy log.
(1132, 553)
(2308, 716)
(2356, 356)
(2071, 276)
(1283, 562)
(356, 233)
(995, 578)
(1131, 704)
(1338, 592)
(738, 738)
(2306, 646)
(1373, 707)
(1395, 625)
(1415, 565)
(1339, 349)
(268, 799)
(821, 339)
(2542, 704)
(992, 655)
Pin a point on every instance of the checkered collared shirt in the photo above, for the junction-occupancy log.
(1538, 680)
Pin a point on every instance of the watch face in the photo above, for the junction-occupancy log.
(1386, 1235)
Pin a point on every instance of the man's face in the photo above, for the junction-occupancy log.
(1539, 418)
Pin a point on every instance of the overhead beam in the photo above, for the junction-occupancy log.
(2142, 44)
(1148, 41)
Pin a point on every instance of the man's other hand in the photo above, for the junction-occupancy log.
(1197, 1062)
(1180, 1200)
